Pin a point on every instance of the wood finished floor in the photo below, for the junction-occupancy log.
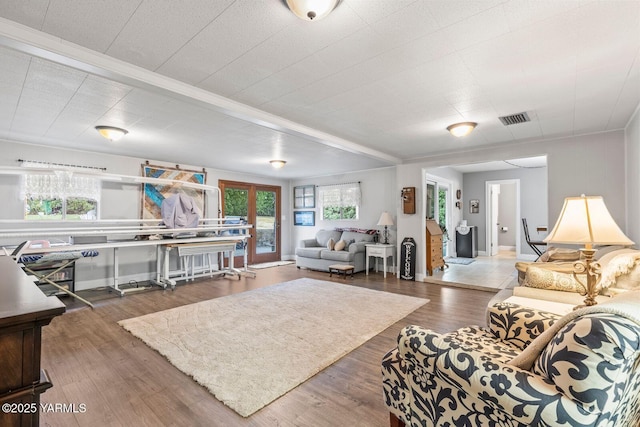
(93, 361)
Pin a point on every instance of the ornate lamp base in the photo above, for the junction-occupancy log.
(385, 235)
(592, 270)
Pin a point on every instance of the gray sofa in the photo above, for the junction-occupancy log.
(315, 254)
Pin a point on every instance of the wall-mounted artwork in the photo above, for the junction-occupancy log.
(306, 218)
(474, 206)
(154, 194)
(304, 196)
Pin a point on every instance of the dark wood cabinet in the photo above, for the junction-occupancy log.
(434, 247)
(24, 310)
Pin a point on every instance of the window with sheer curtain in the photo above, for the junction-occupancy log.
(339, 201)
(61, 195)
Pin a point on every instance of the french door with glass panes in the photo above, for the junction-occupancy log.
(258, 205)
(437, 208)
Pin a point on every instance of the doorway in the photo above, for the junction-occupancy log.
(502, 215)
(259, 205)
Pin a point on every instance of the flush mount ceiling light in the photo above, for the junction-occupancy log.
(461, 129)
(277, 164)
(111, 133)
(311, 10)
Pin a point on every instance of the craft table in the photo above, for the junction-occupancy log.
(189, 251)
(202, 234)
(162, 263)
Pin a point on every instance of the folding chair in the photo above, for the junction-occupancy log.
(533, 243)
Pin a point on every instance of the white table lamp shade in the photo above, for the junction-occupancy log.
(385, 219)
(586, 220)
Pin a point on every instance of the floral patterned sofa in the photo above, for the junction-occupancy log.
(528, 368)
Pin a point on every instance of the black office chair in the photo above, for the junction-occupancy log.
(533, 243)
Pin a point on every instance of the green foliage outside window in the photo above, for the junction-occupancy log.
(70, 208)
(337, 212)
(266, 203)
(442, 207)
(442, 211)
(80, 206)
(236, 202)
(43, 209)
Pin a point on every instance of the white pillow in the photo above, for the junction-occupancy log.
(341, 245)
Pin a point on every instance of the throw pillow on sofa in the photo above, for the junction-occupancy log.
(340, 246)
(323, 236)
(542, 278)
(621, 269)
(563, 254)
(330, 244)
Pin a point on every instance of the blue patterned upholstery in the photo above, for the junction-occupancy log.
(588, 374)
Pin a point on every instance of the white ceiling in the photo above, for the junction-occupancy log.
(231, 84)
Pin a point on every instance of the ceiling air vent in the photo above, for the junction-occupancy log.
(514, 119)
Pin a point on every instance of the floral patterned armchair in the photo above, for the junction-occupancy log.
(529, 368)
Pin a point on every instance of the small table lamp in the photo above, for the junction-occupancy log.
(586, 220)
(386, 220)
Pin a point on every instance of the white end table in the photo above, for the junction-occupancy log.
(383, 251)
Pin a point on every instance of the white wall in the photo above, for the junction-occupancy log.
(593, 165)
(379, 193)
(632, 146)
(118, 201)
(590, 164)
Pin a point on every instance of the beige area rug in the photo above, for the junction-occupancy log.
(248, 349)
